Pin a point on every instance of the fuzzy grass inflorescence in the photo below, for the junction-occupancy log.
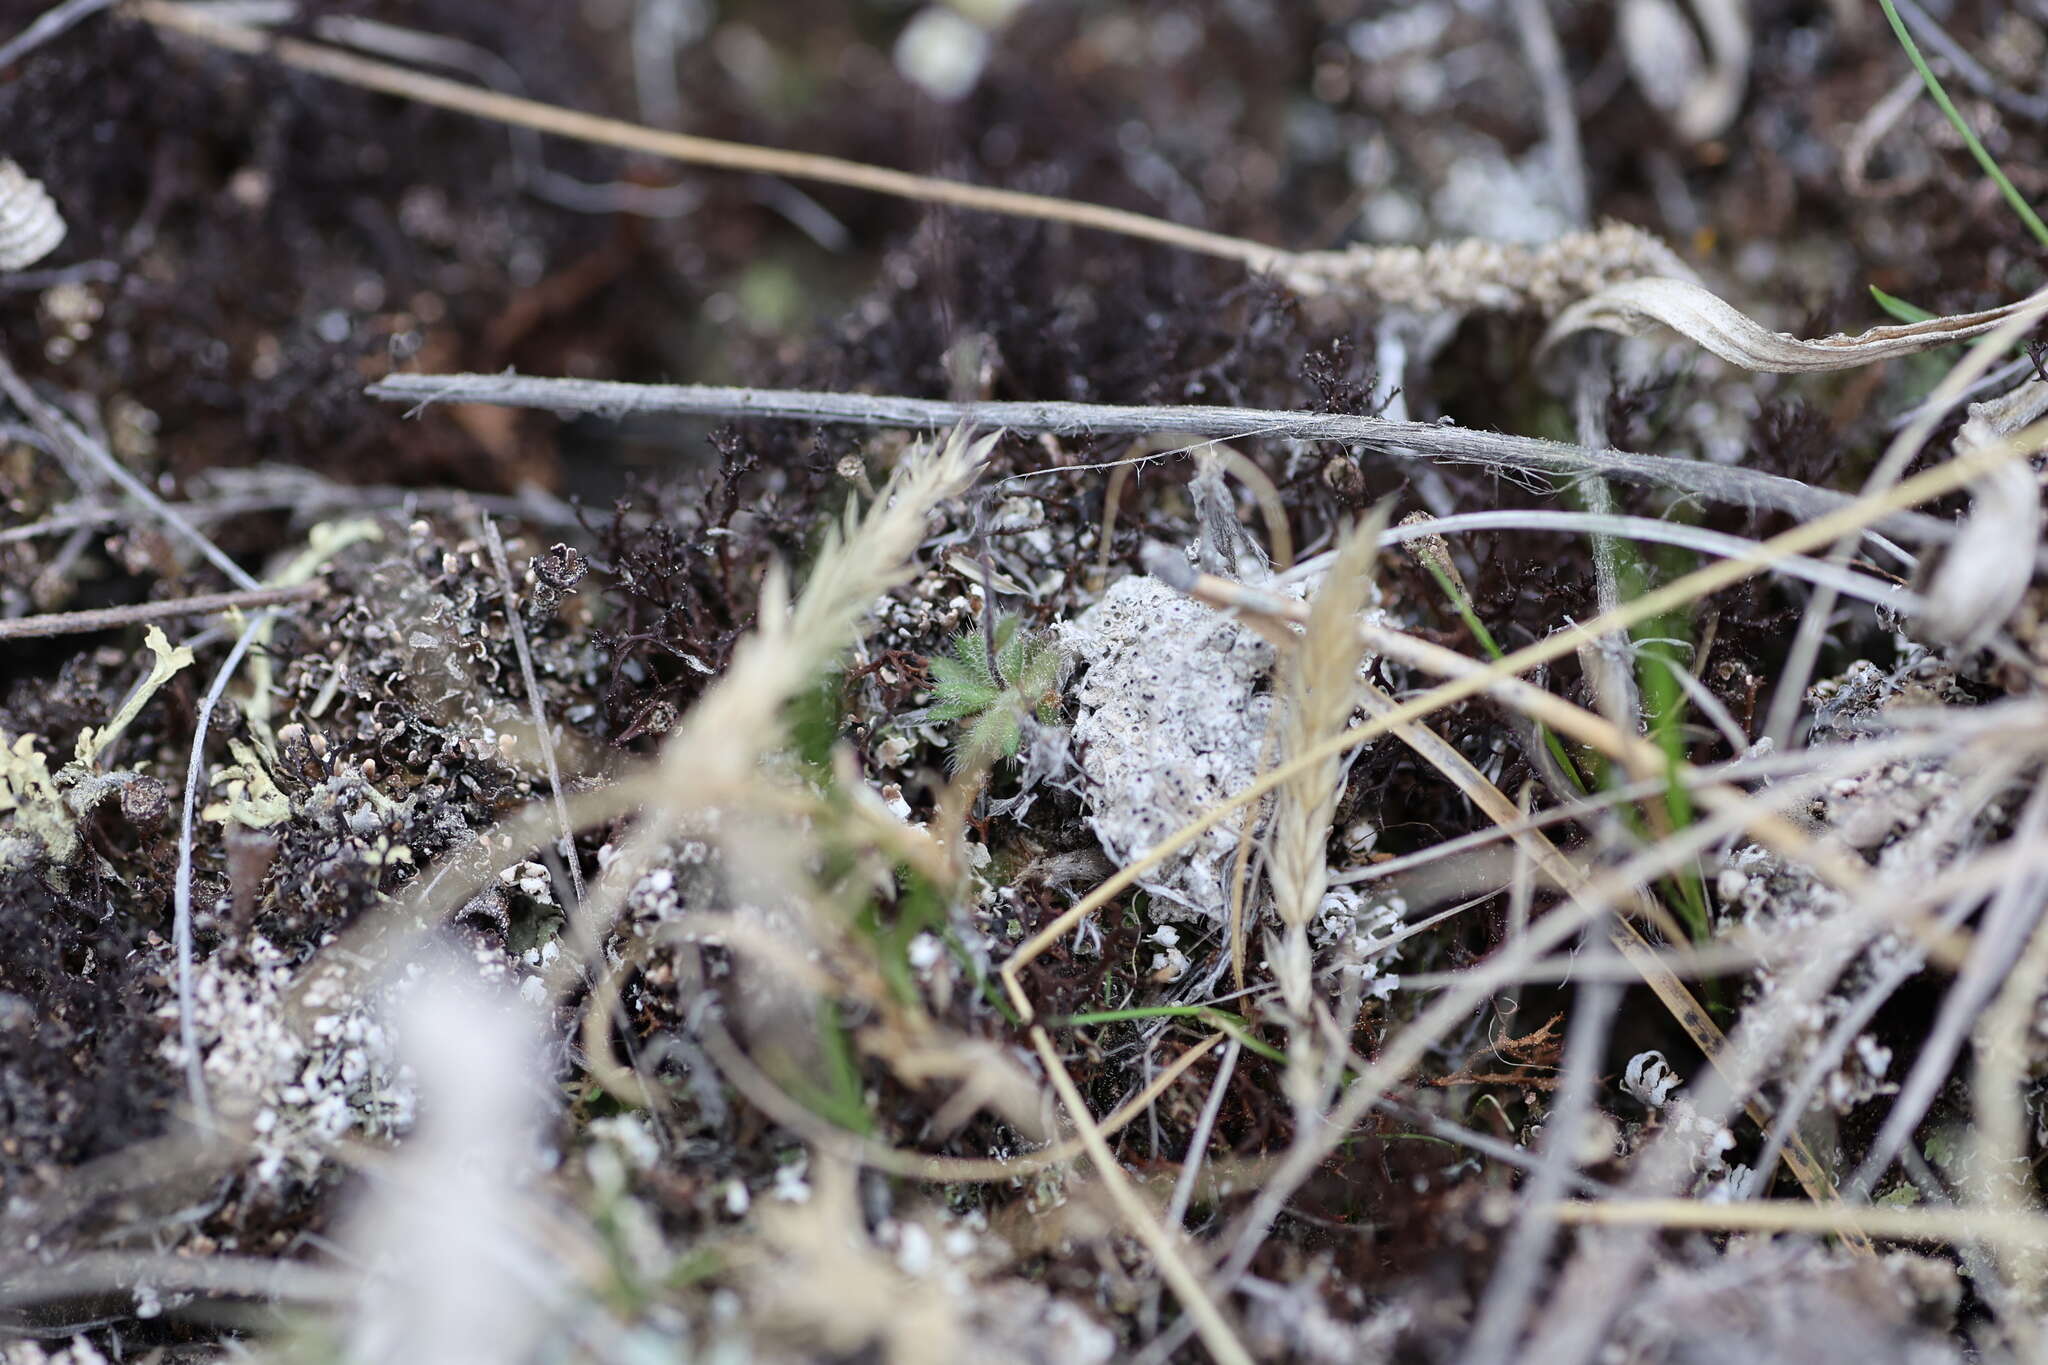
(1319, 688)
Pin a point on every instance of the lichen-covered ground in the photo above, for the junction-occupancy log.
(685, 886)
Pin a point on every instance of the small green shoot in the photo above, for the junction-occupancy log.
(991, 700)
(815, 720)
(1899, 308)
(2005, 186)
(695, 1266)
(837, 1095)
(920, 908)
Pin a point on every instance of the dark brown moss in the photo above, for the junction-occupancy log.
(80, 1072)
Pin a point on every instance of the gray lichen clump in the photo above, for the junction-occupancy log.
(1171, 719)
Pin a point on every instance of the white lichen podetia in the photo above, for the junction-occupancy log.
(298, 1093)
(309, 1060)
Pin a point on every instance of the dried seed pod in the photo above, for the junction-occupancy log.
(30, 226)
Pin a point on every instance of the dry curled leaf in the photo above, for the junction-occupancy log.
(1720, 327)
(1871, 130)
(1699, 94)
(1985, 573)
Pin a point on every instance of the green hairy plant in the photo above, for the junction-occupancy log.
(990, 700)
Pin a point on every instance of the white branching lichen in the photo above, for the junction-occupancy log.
(46, 807)
(300, 1090)
(1364, 935)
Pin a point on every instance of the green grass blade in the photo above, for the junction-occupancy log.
(1234, 1024)
(1899, 308)
(2005, 186)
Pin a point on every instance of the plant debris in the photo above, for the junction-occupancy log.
(603, 759)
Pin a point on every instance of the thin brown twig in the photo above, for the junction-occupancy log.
(141, 613)
(389, 79)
